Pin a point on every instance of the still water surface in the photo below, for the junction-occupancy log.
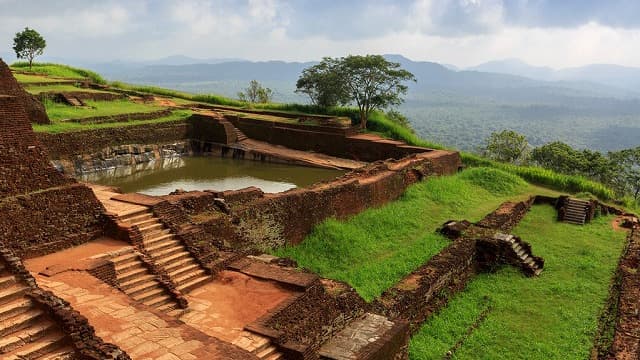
(208, 173)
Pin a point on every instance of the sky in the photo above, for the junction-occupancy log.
(555, 33)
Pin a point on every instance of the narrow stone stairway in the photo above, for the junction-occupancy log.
(141, 285)
(168, 252)
(72, 100)
(258, 345)
(240, 136)
(27, 332)
(526, 257)
(575, 211)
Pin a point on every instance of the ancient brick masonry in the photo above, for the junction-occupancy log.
(43, 211)
(84, 340)
(9, 86)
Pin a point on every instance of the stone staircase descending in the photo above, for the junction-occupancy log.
(240, 136)
(27, 332)
(141, 285)
(525, 256)
(167, 251)
(575, 211)
(258, 345)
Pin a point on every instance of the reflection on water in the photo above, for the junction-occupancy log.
(208, 173)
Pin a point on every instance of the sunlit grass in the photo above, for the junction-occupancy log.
(58, 111)
(553, 316)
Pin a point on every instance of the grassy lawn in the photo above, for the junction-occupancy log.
(59, 127)
(551, 317)
(57, 111)
(59, 88)
(26, 79)
(58, 70)
(376, 248)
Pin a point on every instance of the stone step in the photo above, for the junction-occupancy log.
(136, 216)
(170, 306)
(520, 252)
(20, 337)
(165, 261)
(47, 344)
(537, 272)
(146, 222)
(132, 274)
(159, 301)
(160, 245)
(186, 276)
(11, 293)
(180, 271)
(578, 201)
(270, 350)
(174, 267)
(151, 228)
(166, 252)
(192, 284)
(135, 281)
(276, 356)
(20, 321)
(128, 267)
(63, 353)
(575, 207)
(149, 294)
(125, 258)
(139, 289)
(154, 234)
(6, 281)
(152, 241)
(15, 307)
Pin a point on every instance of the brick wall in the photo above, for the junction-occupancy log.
(10, 86)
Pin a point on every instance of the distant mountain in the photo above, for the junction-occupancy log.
(617, 76)
(186, 60)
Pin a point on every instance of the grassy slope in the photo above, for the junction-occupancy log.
(58, 70)
(58, 111)
(376, 248)
(59, 127)
(550, 317)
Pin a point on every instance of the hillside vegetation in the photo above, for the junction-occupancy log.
(376, 248)
(59, 70)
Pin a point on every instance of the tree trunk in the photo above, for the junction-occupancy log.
(30, 63)
(363, 120)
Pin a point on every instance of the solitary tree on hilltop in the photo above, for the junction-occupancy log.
(371, 82)
(28, 44)
(256, 93)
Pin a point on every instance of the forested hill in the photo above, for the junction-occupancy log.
(455, 108)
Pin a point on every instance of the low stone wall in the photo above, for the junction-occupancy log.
(50, 220)
(428, 288)
(82, 95)
(626, 339)
(34, 109)
(507, 216)
(310, 138)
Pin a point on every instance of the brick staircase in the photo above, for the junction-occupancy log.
(525, 256)
(240, 136)
(72, 100)
(140, 284)
(258, 345)
(575, 211)
(167, 251)
(27, 332)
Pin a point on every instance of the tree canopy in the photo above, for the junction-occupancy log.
(370, 82)
(507, 146)
(28, 44)
(256, 93)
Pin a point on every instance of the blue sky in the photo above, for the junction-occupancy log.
(557, 33)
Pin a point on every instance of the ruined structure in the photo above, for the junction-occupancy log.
(9, 86)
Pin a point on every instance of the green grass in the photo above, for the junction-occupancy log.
(551, 317)
(60, 127)
(59, 88)
(376, 248)
(30, 79)
(57, 111)
(59, 70)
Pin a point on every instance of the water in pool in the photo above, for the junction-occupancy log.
(208, 173)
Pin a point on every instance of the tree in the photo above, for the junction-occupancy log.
(507, 146)
(558, 157)
(256, 93)
(323, 84)
(28, 44)
(628, 162)
(371, 82)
